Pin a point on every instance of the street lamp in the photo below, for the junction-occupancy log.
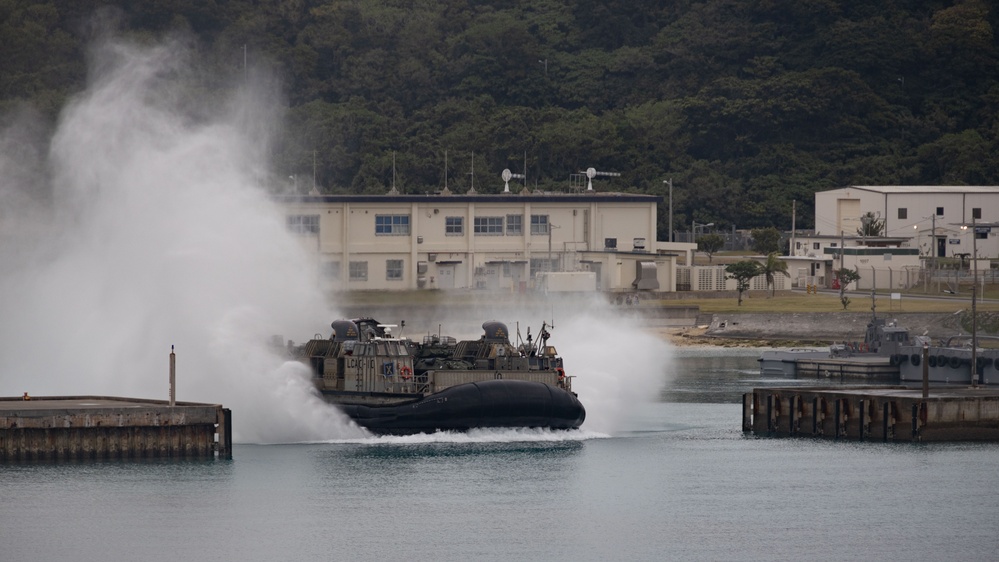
(702, 227)
(669, 182)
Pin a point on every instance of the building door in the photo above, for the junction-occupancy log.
(941, 247)
(596, 269)
(847, 215)
(445, 276)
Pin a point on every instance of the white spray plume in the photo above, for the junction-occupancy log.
(149, 228)
(616, 363)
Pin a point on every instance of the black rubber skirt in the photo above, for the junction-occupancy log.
(492, 403)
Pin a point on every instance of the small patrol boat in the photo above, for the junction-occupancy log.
(392, 385)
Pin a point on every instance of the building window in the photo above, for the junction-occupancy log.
(491, 226)
(797, 245)
(981, 234)
(304, 224)
(539, 265)
(454, 226)
(506, 269)
(392, 225)
(358, 271)
(539, 224)
(815, 245)
(976, 213)
(939, 211)
(393, 270)
(515, 225)
(331, 270)
(903, 213)
(832, 244)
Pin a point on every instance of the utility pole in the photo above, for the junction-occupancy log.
(842, 239)
(933, 245)
(974, 312)
(669, 182)
(794, 212)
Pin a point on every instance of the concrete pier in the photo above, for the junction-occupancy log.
(848, 367)
(68, 428)
(877, 413)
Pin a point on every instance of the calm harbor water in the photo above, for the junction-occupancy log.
(678, 481)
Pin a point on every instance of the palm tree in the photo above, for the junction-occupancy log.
(871, 225)
(773, 266)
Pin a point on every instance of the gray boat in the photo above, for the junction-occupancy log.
(949, 362)
(882, 341)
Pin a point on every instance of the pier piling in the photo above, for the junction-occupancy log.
(54, 429)
(948, 414)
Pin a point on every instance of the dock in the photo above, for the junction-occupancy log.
(875, 413)
(848, 367)
(79, 428)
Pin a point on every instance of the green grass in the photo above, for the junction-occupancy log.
(829, 302)
(756, 301)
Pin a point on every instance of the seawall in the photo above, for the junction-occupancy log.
(826, 326)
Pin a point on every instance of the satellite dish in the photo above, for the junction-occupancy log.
(591, 173)
(506, 175)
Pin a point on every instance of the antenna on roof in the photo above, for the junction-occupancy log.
(525, 169)
(393, 191)
(592, 173)
(507, 175)
(472, 173)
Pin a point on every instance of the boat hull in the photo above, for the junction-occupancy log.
(492, 403)
(947, 365)
(784, 363)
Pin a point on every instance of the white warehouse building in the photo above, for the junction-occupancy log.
(941, 221)
(514, 242)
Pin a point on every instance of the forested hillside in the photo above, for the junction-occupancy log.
(745, 104)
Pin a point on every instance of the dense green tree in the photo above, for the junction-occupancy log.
(743, 272)
(748, 106)
(766, 240)
(710, 244)
(845, 276)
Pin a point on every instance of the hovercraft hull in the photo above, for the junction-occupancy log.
(493, 403)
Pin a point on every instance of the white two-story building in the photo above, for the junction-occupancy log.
(510, 241)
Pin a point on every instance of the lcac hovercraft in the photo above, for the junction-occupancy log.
(396, 386)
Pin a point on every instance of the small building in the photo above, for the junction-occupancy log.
(883, 262)
(879, 268)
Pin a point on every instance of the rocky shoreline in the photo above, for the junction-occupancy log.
(699, 337)
(801, 329)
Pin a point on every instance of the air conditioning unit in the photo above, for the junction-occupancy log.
(432, 257)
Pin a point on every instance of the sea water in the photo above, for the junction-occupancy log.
(679, 482)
